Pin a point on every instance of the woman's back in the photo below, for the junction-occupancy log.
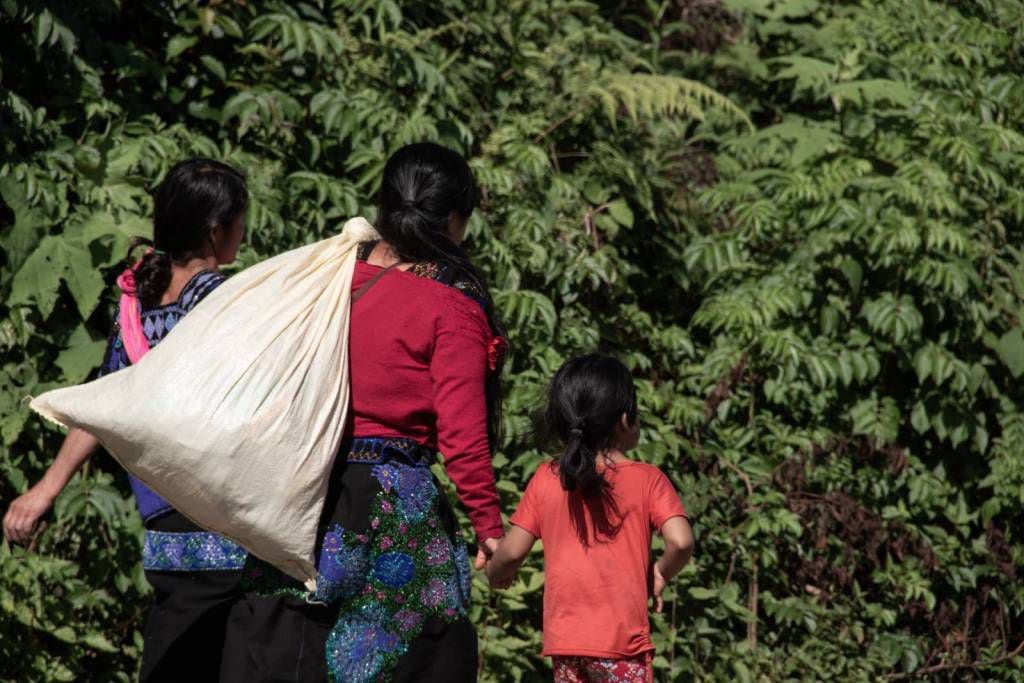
(419, 359)
(597, 558)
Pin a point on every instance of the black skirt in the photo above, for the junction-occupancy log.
(185, 630)
(392, 588)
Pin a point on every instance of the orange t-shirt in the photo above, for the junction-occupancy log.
(597, 570)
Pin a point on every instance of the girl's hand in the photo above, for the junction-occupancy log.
(658, 584)
(22, 519)
(499, 582)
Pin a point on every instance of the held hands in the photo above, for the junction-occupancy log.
(509, 556)
(485, 550)
(22, 521)
(484, 561)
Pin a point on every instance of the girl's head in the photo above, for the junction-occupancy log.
(426, 197)
(199, 212)
(591, 408)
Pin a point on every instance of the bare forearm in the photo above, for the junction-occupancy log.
(76, 449)
(23, 518)
(678, 546)
(503, 567)
(509, 557)
(673, 560)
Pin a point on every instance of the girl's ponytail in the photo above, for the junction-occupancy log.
(578, 463)
(586, 400)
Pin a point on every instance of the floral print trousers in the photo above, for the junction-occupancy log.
(593, 670)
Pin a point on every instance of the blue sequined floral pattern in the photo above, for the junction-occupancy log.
(387, 579)
(415, 574)
(193, 551)
(414, 486)
(361, 644)
(342, 566)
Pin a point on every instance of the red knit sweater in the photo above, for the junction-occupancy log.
(419, 360)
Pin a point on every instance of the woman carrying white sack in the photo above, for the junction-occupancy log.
(425, 354)
(198, 225)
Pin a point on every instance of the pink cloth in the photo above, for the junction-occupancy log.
(130, 317)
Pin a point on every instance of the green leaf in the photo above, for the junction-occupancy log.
(98, 641)
(875, 91)
(44, 27)
(56, 259)
(84, 280)
(178, 44)
(809, 73)
(1010, 348)
(621, 212)
(38, 279)
(854, 274)
(919, 418)
(699, 593)
(215, 66)
(20, 240)
(80, 357)
(65, 633)
(877, 418)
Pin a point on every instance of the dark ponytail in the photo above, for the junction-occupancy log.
(152, 275)
(195, 196)
(423, 185)
(586, 400)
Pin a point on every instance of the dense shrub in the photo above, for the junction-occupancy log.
(799, 222)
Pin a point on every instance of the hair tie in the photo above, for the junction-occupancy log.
(576, 431)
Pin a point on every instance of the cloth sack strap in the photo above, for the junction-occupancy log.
(356, 296)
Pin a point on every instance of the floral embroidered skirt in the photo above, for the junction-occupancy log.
(393, 584)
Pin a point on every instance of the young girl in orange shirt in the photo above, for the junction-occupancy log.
(595, 510)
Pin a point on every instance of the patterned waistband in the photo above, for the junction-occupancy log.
(374, 450)
(165, 551)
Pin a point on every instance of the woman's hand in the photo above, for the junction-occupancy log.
(485, 549)
(658, 584)
(21, 522)
(23, 516)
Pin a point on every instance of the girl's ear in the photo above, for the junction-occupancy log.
(622, 430)
(627, 432)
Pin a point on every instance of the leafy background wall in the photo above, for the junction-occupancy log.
(800, 222)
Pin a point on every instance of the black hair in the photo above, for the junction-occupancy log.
(423, 185)
(586, 400)
(194, 197)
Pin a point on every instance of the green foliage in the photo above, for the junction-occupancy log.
(799, 222)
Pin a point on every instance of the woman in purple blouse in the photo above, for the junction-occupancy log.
(198, 225)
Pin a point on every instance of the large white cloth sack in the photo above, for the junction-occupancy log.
(236, 416)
